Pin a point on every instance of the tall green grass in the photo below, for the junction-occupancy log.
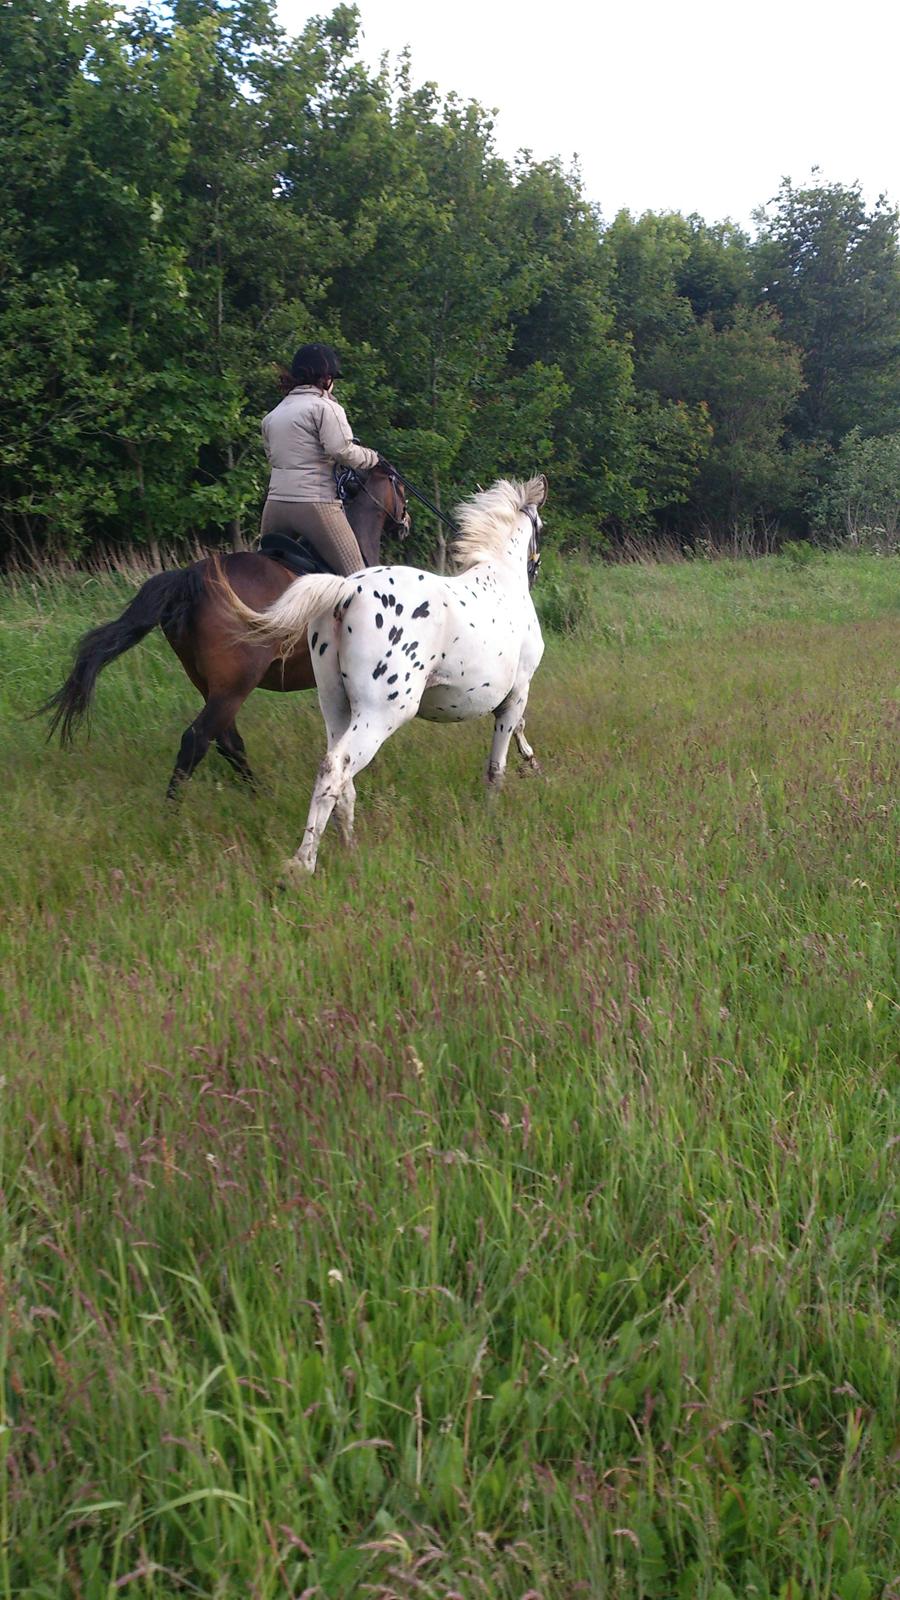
(509, 1211)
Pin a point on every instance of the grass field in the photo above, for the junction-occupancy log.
(509, 1211)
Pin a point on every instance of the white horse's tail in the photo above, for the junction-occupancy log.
(287, 619)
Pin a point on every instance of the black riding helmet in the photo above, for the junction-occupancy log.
(315, 361)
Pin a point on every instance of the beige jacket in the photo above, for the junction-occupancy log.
(304, 437)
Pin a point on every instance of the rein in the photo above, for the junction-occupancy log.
(418, 495)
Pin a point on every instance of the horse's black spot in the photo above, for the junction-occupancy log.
(486, 685)
(313, 642)
(347, 601)
(395, 635)
(359, 588)
(399, 608)
(379, 621)
(393, 677)
(394, 695)
(381, 668)
(406, 679)
(422, 610)
(323, 647)
(421, 577)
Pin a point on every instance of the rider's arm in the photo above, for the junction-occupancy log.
(264, 429)
(337, 440)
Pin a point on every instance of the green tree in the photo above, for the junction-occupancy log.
(569, 326)
(748, 379)
(831, 270)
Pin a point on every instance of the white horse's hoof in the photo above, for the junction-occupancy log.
(295, 871)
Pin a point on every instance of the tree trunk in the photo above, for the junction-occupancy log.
(235, 530)
(441, 539)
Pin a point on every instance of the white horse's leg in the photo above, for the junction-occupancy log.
(353, 751)
(344, 810)
(508, 718)
(335, 707)
(524, 748)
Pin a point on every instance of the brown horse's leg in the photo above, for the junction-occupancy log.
(215, 721)
(230, 745)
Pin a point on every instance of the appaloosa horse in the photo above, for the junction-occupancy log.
(394, 643)
(188, 605)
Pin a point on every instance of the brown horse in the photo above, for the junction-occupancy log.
(188, 606)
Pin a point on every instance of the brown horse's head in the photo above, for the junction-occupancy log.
(378, 507)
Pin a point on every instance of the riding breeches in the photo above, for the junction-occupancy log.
(323, 523)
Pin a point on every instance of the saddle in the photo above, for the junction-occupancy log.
(299, 557)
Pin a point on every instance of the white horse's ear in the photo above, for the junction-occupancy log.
(545, 490)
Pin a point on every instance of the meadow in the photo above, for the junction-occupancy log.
(511, 1210)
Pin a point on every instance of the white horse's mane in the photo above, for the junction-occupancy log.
(486, 520)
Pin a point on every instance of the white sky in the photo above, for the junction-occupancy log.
(694, 105)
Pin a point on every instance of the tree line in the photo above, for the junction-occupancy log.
(187, 193)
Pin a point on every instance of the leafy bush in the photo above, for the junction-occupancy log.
(798, 553)
(562, 595)
(860, 504)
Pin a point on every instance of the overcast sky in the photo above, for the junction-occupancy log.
(694, 105)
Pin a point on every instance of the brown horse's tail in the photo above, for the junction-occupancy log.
(166, 599)
(285, 621)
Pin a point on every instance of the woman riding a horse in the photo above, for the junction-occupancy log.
(305, 437)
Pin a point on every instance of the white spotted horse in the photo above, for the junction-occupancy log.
(392, 643)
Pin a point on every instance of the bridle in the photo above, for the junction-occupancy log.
(400, 514)
(534, 543)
